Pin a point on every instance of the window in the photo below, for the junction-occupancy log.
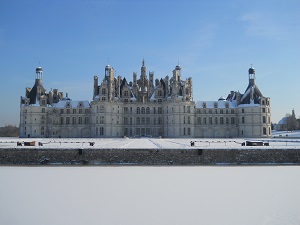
(86, 120)
(138, 121)
(210, 111)
(125, 131)
(68, 111)
(221, 111)
(159, 93)
(61, 111)
(148, 120)
(264, 119)
(67, 120)
(216, 105)
(125, 120)
(80, 111)
(227, 120)
(159, 110)
(101, 119)
(101, 131)
(204, 121)
(147, 110)
(188, 109)
(43, 110)
(216, 120)
(143, 121)
(263, 110)
(138, 110)
(80, 120)
(232, 111)
(210, 120)
(102, 108)
(221, 120)
(74, 120)
(243, 119)
(103, 91)
(204, 105)
(61, 120)
(143, 110)
(198, 120)
(74, 111)
(159, 120)
(189, 131)
(232, 120)
(159, 100)
(125, 110)
(189, 120)
(125, 93)
(264, 131)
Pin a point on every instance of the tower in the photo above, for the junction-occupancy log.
(39, 73)
(251, 72)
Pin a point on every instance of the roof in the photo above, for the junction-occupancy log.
(73, 104)
(220, 104)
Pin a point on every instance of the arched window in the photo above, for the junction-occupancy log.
(147, 110)
(138, 110)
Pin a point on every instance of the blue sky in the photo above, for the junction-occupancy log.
(214, 41)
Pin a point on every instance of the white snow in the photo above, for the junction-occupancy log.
(220, 104)
(282, 139)
(73, 104)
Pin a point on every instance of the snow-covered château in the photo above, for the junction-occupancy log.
(144, 107)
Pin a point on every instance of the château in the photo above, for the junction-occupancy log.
(144, 106)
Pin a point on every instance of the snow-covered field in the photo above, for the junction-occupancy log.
(282, 139)
(150, 195)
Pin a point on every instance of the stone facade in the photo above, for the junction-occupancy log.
(144, 107)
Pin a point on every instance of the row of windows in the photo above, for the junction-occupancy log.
(73, 120)
(215, 120)
(215, 105)
(142, 121)
(73, 111)
(215, 111)
(264, 119)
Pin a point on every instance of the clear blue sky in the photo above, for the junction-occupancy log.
(215, 42)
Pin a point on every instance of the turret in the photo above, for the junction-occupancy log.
(251, 72)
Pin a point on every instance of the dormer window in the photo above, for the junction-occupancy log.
(227, 105)
(216, 105)
(204, 104)
(80, 104)
(68, 105)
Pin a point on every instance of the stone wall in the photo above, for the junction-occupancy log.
(38, 156)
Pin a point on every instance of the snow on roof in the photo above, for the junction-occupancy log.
(220, 104)
(283, 120)
(73, 104)
(248, 105)
(152, 96)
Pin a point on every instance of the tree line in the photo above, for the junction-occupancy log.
(9, 131)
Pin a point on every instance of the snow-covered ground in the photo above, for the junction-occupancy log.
(282, 139)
